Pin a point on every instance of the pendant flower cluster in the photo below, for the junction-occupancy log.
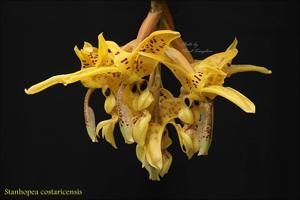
(130, 79)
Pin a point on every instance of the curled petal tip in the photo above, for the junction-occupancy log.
(26, 91)
(29, 91)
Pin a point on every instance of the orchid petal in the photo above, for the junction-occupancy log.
(247, 68)
(232, 95)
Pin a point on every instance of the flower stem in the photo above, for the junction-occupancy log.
(167, 23)
(150, 22)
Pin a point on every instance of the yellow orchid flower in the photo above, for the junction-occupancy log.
(144, 100)
(207, 76)
(153, 154)
(133, 68)
(96, 70)
(132, 102)
(100, 67)
(142, 106)
(196, 120)
(148, 132)
(91, 75)
(223, 61)
(194, 136)
(133, 105)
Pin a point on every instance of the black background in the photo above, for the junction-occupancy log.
(44, 143)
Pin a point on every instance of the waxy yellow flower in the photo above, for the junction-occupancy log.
(97, 70)
(205, 78)
(129, 77)
(110, 66)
